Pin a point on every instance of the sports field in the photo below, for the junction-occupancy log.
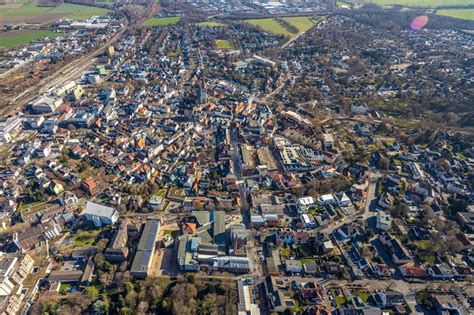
(224, 44)
(162, 21)
(420, 3)
(33, 14)
(302, 23)
(12, 39)
(465, 14)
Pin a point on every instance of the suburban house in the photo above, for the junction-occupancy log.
(384, 221)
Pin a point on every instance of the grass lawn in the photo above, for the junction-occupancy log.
(465, 14)
(363, 295)
(210, 24)
(420, 3)
(224, 44)
(422, 244)
(12, 41)
(86, 238)
(161, 192)
(162, 21)
(305, 260)
(429, 259)
(343, 4)
(26, 205)
(339, 299)
(302, 23)
(270, 26)
(65, 287)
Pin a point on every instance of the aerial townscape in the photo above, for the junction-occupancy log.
(237, 157)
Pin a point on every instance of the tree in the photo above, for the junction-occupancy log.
(183, 296)
(102, 244)
(131, 299)
(98, 307)
(105, 279)
(92, 292)
(99, 261)
(367, 253)
(399, 210)
(143, 307)
(383, 163)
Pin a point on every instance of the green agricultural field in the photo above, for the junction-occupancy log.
(162, 21)
(28, 10)
(210, 24)
(270, 26)
(66, 10)
(224, 44)
(420, 3)
(12, 41)
(78, 12)
(302, 23)
(465, 14)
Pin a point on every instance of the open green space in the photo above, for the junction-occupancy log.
(85, 238)
(269, 26)
(162, 21)
(210, 24)
(223, 44)
(302, 23)
(22, 205)
(12, 41)
(342, 4)
(420, 3)
(465, 14)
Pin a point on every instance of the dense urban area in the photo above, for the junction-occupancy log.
(236, 157)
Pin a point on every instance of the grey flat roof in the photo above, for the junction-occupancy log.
(146, 247)
(141, 262)
(99, 210)
(149, 235)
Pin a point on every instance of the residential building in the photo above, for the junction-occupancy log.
(384, 221)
